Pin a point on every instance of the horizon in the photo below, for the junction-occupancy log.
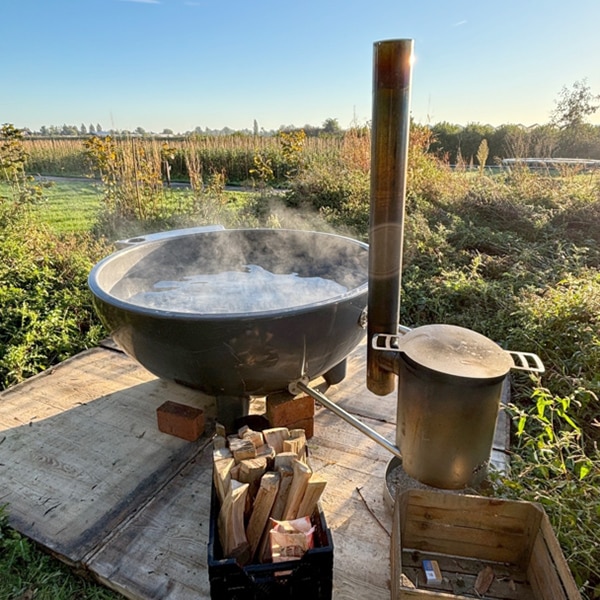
(184, 64)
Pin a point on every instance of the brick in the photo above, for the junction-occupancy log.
(180, 420)
(283, 409)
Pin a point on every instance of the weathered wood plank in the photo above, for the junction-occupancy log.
(160, 553)
(70, 477)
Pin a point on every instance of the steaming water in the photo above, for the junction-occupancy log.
(252, 290)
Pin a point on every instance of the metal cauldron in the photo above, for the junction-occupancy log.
(235, 355)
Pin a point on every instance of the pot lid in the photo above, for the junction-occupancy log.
(456, 351)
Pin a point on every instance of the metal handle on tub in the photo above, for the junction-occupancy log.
(522, 362)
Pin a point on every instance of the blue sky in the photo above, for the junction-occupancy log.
(180, 64)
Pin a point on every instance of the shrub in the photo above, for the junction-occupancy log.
(45, 307)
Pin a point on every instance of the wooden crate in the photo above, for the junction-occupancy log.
(467, 533)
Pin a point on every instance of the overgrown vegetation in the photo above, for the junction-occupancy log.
(515, 256)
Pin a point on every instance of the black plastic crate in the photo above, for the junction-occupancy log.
(308, 578)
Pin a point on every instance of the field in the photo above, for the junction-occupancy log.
(514, 255)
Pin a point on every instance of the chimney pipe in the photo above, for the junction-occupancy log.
(392, 68)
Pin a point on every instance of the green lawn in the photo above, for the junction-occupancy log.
(72, 206)
(68, 206)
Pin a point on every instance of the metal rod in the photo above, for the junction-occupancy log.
(340, 412)
(392, 68)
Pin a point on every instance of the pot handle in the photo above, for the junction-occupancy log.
(526, 361)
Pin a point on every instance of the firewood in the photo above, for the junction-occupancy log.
(219, 442)
(314, 488)
(242, 449)
(275, 437)
(231, 521)
(221, 453)
(285, 459)
(256, 437)
(286, 475)
(261, 509)
(297, 445)
(302, 473)
(222, 476)
(235, 472)
(266, 451)
(251, 470)
(296, 433)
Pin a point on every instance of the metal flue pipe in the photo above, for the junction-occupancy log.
(392, 69)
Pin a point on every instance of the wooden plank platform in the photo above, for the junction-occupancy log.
(86, 473)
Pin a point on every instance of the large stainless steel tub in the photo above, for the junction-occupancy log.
(247, 353)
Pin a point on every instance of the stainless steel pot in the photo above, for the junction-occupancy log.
(449, 389)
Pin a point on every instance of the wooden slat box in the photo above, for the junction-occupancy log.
(467, 533)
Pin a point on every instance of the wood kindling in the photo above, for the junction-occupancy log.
(261, 477)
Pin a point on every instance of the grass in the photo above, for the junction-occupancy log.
(68, 206)
(30, 574)
(71, 206)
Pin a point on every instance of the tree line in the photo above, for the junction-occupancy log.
(461, 144)
(566, 135)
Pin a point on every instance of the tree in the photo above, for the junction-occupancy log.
(446, 140)
(69, 130)
(83, 129)
(331, 126)
(574, 105)
(91, 128)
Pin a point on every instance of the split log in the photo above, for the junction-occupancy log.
(261, 509)
(302, 473)
(221, 453)
(241, 449)
(256, 437)
(251, 470)
(285, 459)
(314, 488)
(296, 444)
(222, 476)
(275, 437)
(266, 451)
(231, 522)
(286, 475)
(235, 472)
(219, 442)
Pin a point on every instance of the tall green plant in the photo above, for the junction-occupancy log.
(553, 465)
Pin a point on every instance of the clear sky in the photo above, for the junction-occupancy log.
(179, 64)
